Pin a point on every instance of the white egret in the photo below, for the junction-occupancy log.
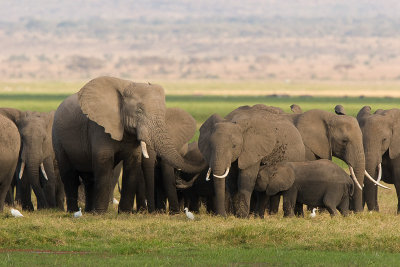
(189, 214)
(16, 213)
(78, 213)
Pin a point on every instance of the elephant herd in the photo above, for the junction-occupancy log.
(242, 163)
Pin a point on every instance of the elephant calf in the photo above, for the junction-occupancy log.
(319, 183)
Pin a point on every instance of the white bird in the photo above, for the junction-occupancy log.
(16, 213)
(78, 213)
(115, 201)
(189, 214)
(313, 214)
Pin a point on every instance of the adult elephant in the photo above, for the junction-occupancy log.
(381, 136)
(326, 134)
(181, 127)
(107, 121)
(248, 136)
(36, 168)
(10, 143)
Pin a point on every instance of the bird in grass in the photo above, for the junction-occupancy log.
(115, 201)
(78, 213)
(313, 214)
(189, 214)
(16, 213)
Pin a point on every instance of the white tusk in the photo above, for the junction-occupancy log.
(208, 174)
(379, 173)
(223, 175)
(43, 171)
(21, 171)
(354, 177)
(144, 149)
(373, 180)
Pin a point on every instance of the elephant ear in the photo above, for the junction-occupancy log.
(258, 141)
(100, 100)
(205, 134)
(313, 127)
(281, 180)
(394, 147)
(13, 114)
(181, 126)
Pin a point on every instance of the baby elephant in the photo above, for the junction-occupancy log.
(319, 183)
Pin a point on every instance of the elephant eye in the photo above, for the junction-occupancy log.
(233, 146)
(345, 141)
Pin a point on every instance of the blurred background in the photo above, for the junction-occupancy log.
(351, 40)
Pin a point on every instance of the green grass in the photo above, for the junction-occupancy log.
(143, 239)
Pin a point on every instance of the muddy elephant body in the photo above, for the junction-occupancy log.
(249, 136)
(107, 121)
(319, 183)
(381, 137)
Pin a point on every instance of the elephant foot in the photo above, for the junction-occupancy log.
(241, 206)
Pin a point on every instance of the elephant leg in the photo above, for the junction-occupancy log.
(140, 194)
(70, 180)
(289, 202)
(5, 186)
(262, 201)
(328, 201)
(88, 182)
(298, 210)
(169, 183)
(274, 204)
(25, 195)
(132, 170)
(9, 199)
(60, 196)
(148, 167)
(344, 205)
(246, 182)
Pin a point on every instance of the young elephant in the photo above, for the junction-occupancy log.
(319, 183)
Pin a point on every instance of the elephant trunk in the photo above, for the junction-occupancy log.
(355, 158)
(31, 176)
(370, 190)
(166, 149)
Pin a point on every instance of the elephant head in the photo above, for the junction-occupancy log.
(275, 179)
(132, 110)
(36, 156)
(381, 137)
(326, 134)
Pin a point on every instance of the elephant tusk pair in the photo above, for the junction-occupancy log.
(144, 149)
(217, 176)
(43, 171)
(353, 175)
(373, 180)
(21, 171)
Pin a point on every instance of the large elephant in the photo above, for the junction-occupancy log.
(10, 143)
(326, 134)
(248, 136)
(319, 183)
(107, 121)
(381, 136)
(181, 127)
(36, 168)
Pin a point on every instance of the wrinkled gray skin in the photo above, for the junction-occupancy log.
(181, 127)
(103, 124)
(10, 143)
(249, 136)
(319, 183)
(381, 136)
(326, 134)
(36, 149)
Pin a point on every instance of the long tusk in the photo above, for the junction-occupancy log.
(373, 180)
(379, 173)
(21, 171)
(208, 174)
(144, 149)
(354, 177)
(43, 171)
(223, 175)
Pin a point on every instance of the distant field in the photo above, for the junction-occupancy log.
(139, 239)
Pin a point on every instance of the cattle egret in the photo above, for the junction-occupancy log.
(78, 213)
(16, 213)
(313, 214)
(189, 214)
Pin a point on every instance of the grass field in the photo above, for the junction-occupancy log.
(55, 238)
